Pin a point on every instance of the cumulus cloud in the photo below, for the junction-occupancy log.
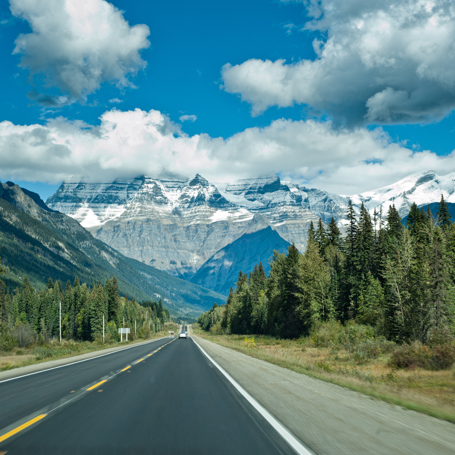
(115, 101)
(378, 61)
(188, 118)
(132, 143)
(75, 46)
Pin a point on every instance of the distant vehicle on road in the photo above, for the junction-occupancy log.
(182, 335)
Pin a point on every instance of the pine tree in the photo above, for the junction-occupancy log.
(394, 224)
(365, 243)
(321, 237)
(311, 232)
(113, 301)
(443, 214)
(313, 290)
(442, 288)
(288, 325)
(334, 234)
(414, 218)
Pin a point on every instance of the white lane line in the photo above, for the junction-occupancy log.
(282, 431)
(80, 361)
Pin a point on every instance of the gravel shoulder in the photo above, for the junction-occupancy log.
(331, 419)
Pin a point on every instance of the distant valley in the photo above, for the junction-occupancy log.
(41, 243)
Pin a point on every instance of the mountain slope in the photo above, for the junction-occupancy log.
(177, 225)
(43, 243)
(221, 270)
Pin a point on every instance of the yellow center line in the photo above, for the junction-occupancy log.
(96, 385)
(140, 360)
(22, 427)
(148, 355)
(124, 369)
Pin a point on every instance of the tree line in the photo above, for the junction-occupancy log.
(82, 311)
(398, 279)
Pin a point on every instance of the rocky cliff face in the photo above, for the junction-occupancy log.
(177, 225)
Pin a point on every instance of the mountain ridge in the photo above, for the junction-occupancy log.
(177, 225)
(52, 241)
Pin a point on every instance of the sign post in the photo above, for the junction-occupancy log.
(122, 331)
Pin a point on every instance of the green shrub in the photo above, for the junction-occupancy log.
(371, 349)
(23, 334)
(417, 355)
(112, 334)
(328, 334)
(7, 342)
(443, 356)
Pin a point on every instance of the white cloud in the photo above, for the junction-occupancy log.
(131, 143)
(188, 118)
(75, 46)
(115, 101)
(381, 61)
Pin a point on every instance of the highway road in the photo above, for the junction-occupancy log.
(164, 397)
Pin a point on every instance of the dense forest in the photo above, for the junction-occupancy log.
(399, 280)
(35, 314)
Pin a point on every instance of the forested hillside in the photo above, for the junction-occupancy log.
(398, 280)
(40, 243)
(28, 314)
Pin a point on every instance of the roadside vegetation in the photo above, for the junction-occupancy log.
(30, 320)
(374, 311)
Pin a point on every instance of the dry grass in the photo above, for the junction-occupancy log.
(431, 392)
(53, 350)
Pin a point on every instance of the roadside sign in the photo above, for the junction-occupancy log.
(122, 331)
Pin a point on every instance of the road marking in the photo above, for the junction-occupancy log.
(280, 428)
(22, 427)
(96, 385)
(140, 360)
(80, 361)
(100, 390)
(148, 355)
(124, 369)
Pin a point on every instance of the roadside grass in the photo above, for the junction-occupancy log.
(54, 350)
(429, 392)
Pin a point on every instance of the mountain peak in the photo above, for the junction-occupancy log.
(199, 180)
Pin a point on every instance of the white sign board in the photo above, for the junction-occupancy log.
(122, 331)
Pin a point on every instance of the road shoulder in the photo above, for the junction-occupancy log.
(332, 419)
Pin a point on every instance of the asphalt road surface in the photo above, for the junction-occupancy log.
(164, 397)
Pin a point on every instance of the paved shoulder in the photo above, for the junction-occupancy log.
(332, 419)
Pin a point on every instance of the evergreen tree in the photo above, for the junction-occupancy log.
(334, 234)
(313, 290)
(414, 219)
(288, 323)
(443, 214)
(311, 232)
(321, 237)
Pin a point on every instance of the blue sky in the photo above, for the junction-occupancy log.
(181, 73)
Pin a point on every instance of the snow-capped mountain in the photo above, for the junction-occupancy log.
(177, 225)
(423, 188)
